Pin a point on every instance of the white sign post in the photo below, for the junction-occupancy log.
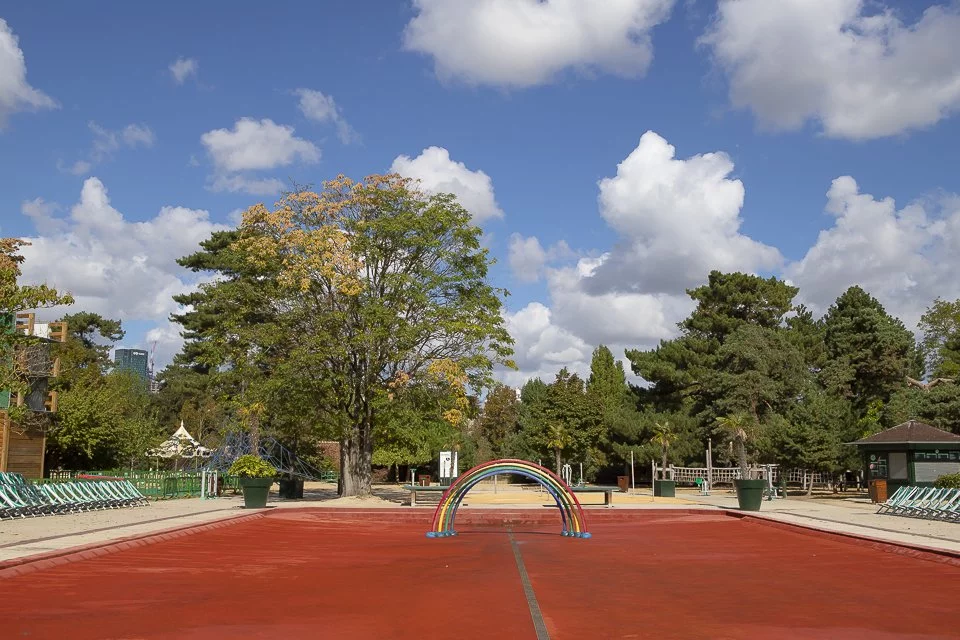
(449, 466)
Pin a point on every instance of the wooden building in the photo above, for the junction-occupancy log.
(912, 453)
(22, 447)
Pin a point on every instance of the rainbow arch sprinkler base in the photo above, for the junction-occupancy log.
(574, 523)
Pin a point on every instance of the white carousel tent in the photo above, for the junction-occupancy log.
(180, 445)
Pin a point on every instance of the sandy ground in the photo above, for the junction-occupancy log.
(854, 515)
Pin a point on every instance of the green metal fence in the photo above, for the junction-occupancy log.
(156, 485)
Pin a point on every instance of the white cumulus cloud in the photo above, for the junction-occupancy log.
(114, 266)
(107, 142)
(541, 347)
(320, 107)
(520, 43)
(853, 66)
(254, 145)
(904, 257)
(677, 219)
(16, 94)
(527, 257)
(42, 213)
(437, 173)
(183, 68)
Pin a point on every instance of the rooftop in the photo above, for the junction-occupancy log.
(910, 432)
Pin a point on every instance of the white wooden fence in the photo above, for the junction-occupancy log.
(726, 475)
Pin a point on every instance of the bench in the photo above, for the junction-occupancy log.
(606, 491)
(415, 489)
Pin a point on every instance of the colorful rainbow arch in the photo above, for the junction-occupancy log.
(571, 513)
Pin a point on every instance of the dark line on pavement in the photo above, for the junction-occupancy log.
(118, 526)
(538, 624)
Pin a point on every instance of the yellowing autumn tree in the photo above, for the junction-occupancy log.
(372, 282)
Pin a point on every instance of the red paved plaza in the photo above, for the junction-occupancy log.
(337, 574)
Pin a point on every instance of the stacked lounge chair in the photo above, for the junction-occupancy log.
(924, 502)
(21, 499)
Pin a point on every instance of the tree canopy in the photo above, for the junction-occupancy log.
(365, 292)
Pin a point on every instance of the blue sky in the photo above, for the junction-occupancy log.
(546, 100)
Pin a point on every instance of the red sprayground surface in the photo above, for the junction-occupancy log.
(335, 574)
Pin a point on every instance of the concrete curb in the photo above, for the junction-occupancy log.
(36, 562)
(921, 552)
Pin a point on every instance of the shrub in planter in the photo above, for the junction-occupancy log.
(749, 490)
(664, 436)
(948, 481)
(256, 477)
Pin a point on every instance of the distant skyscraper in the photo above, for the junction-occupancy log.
(132, 360)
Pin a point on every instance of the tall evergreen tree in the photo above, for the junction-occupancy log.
(526, 443)
(758, 372)
(579, 416)
(499, 419)
(869, 352)
(607, 380)
(684, 372)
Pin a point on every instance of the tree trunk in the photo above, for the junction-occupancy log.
(556, 452)
(255, 434)
(742, 460)
(663, 468)
(356, 453)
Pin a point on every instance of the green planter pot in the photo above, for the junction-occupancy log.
(750, 494)
(255, 492)
(291, 488)
(664, 488)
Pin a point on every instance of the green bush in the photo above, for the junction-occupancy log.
(250, 466)
(948, 481)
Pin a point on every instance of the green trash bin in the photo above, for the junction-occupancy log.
(665, 488)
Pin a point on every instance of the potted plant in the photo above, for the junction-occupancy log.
(256, 477)
(664, 436)
(291, 487)
(749, 490)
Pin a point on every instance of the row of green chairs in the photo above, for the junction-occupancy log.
(924, 502)
(21, 499)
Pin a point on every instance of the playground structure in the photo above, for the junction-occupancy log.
(571, 513)
(240, 443)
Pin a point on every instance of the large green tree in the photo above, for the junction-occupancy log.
(619, 429)
(374, 285)
(104, 418)
(758, 372)
(812, 433)
(574, 422)
(85, 355)
(526, 442)
(685, 373)
(498, 421)
(938, 404)
(607, 381)
(940, 325)
(870, 353)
